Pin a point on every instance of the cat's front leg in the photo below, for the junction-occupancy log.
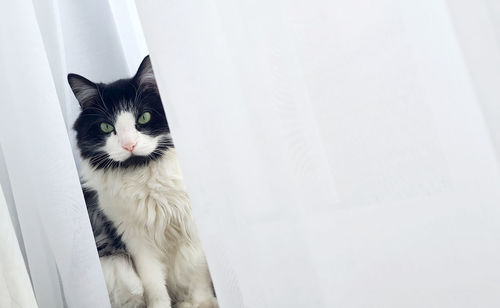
(195, 270)
(151, 271)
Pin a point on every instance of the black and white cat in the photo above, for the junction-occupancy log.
(136, 198)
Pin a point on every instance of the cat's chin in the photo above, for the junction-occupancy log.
(135, 161)
(103, 160)
(131, 163)
(122, 157)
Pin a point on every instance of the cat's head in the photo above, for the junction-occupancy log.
(121, 124)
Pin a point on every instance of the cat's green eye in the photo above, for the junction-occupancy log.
(106, 127)
(144, 118)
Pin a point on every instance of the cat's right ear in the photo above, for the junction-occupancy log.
(85, 90)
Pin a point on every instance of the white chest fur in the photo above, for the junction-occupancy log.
(149, 201)
(150, 208)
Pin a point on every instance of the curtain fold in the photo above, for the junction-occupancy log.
(335, 152)
(477, 27)
(59, 244)
(45, 41)
(15, 286)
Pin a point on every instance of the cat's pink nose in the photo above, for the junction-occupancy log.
(129, 146)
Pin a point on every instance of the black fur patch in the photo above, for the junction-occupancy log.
(103, 102)
(107, 240)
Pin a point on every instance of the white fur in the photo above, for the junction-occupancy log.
(124, 286)
(150, 207)
(127, 134)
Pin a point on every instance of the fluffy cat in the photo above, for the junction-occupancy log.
(147, 241)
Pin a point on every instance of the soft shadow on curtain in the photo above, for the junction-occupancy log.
(41, 42)
(15, 287)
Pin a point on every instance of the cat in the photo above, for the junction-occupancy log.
(147, 241)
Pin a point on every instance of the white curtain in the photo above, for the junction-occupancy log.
(15, 287)
(41, 42)
(337, 153)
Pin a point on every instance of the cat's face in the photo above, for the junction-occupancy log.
(122, 124)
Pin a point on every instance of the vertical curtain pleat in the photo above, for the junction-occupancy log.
(9, 199)
(477, 25)
(80, 37)
(15, 286)
(62, 259)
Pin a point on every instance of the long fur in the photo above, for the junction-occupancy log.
(150, 205)
(138, 206)
(124, 285)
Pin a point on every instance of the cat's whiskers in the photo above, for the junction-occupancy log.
(103, 111)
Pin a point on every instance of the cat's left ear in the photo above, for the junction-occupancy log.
(85, 90)
(145, 77)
